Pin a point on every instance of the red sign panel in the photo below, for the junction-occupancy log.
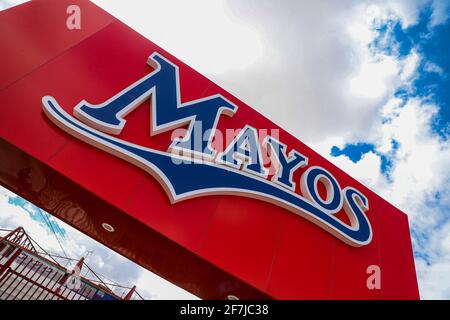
(115, 136)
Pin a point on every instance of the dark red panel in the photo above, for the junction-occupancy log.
(34, 33)
(397, 262)
(303, 265)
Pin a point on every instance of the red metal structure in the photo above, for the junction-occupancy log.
(28, 272)
(213, 246)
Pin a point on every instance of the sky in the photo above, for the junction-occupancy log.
(364, 83)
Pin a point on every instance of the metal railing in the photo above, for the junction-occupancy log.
(30, 274)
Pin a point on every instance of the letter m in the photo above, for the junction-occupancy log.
(168, 113)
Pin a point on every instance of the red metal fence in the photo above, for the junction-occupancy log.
(26, 275)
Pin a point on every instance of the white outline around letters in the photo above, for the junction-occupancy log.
(153, 170)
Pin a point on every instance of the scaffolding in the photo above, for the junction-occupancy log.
(29, 272)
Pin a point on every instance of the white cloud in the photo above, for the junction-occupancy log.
(303, 64)
(406, 10)
(156, 288)
(440, 12)
(421, 162)
(365, 170)
(433, 68)
(5, 4)
(434, 274)
(202, 31)
(409, 67)
(13, 216)
(374, 77)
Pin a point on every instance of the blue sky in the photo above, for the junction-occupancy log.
(433, 78)
(38, 215)
(432, 82)
(363, 82)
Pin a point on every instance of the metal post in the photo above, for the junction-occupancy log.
(9, 262)
(130, 293)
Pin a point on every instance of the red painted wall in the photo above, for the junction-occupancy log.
(212, 246)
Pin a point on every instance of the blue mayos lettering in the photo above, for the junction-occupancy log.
(237, 170)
